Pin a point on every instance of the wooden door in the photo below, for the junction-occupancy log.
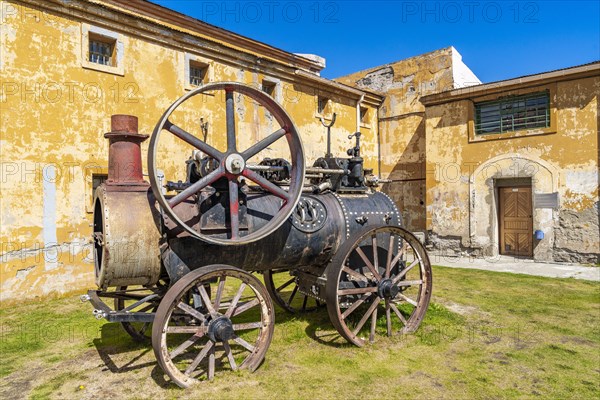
(515, 220)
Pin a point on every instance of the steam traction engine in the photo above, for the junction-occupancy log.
(182, 269)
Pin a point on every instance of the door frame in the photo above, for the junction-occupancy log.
(512, 183)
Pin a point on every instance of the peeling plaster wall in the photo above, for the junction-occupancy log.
(461, 196)
(54, 112)
(402, 122)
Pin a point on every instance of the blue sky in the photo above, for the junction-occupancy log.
(497, 39)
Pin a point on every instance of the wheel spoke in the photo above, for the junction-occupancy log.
(211, 363)
(368, 263)
(196, 187)
(361, 323)
(235, 300)
(199, 357)
(375, 253)
(206, 299)
(410, 301)
(191, 310)
(245, 306)
(219, 293)
(194, 141)
(234, 208)
(144, 328)
(292, 296)
(355, 305)
(243, 343)
(388, 317)
(397, 258)
(398, 313)
(355, 274)
(247, 326)
(230, 119)
(369, 289)
(388, 263)
(265, 184)
(183, 346)
(373, 325)
(229, 355)
(186, 329)
(405, 271)
(410, 283)
(263, 144)
(280, 288)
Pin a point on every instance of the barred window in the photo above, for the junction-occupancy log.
(101, 52)
(513, 114)
(197, 73)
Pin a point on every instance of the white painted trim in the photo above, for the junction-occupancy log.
(118, 69)
(189, 57)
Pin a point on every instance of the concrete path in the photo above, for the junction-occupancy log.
(518, 266)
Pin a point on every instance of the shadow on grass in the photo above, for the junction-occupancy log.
(113, 341)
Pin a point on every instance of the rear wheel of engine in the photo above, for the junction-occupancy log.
(372, 291)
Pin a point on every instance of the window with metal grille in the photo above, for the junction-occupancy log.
(101, 52)
(513, 114)
(197, 74)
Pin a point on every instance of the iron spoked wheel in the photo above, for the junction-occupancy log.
(372, 291)
(232, 164)
(283, 288)
(139, 331)
(227, 331)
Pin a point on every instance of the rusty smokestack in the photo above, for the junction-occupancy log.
(125, 152)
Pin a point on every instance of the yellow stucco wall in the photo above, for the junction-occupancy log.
(54, 112)
(402, 124)
(563, 158)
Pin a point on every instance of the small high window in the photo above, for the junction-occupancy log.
(364, 115)
(513, 114)
(198, 73)
(101, 50)
(269, 87)
(322, 105)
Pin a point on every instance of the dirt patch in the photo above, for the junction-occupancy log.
(464, 310)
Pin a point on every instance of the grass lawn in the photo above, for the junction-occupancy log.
(486, 335)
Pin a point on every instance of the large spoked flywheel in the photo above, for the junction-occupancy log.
(231, 165)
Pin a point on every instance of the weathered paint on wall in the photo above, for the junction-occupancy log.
(402, 122)
(54, 110)
(462, 170)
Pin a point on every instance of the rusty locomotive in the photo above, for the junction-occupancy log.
(182, 269)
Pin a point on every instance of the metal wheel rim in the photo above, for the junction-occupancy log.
(294, 143)
(334, 273)
(172, 299)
